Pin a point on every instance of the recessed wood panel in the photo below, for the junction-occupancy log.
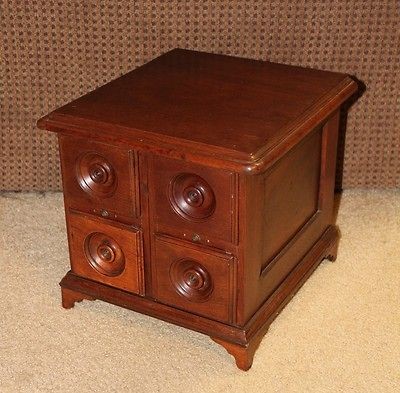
(291, 196)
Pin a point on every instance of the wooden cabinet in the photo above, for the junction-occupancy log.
(199, 190)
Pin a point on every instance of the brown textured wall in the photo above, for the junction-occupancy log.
(54, 51)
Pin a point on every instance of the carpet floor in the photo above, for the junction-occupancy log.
(340, 333)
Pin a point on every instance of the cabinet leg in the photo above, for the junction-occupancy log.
(70, 297)
(243, 355)
(333, 250)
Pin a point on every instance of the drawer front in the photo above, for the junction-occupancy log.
(99, 179)
(195, 280)
(111, 254)
(193, 202)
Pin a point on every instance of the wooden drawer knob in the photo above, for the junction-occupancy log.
(104, 254)
(99, 173)
(191, 280)
(96, 175)
(191, 197)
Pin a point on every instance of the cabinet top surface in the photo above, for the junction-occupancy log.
(230, 104)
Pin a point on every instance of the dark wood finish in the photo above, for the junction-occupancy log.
(199, 190)
(100, 179)
(106, 252)
(304, 205)
(193, 201)
(223, 111)
(199, 280)
(297, 176)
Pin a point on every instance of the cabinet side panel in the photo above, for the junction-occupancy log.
(287, 208)
(290, 192)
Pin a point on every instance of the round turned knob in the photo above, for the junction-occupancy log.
(191, 197)
(96, 175)
(191, 280)
(104, 254)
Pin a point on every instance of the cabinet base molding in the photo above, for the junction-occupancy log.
(240, 342)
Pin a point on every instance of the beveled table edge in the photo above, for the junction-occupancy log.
(212, 155)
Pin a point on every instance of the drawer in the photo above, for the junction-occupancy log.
(99, 178)
(196, 280)
(111, 254)
(193, 201)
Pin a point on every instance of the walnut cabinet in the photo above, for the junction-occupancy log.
(199, 190)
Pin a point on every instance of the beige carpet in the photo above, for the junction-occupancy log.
(341, 333)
